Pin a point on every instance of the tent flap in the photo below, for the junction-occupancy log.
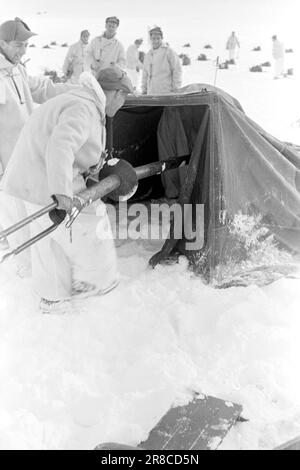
(246, 179)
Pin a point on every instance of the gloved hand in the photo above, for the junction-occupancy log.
(64, 207)
(163, 257)
(156, 259)
(65, 203)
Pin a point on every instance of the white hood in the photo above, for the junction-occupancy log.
(5, 64)
(87, 80)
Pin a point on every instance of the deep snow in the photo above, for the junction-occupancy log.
(114, 367)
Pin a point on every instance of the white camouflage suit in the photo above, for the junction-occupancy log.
(75, 61)
(162, 72)
(278, 53)
(18, 93)
(103, 53)
(134, 65)
(61, 140)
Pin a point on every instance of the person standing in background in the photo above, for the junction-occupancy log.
(232, 46)
(278, 56)
(134, 65)
(162, 70)
(106, 50)
(76, 58)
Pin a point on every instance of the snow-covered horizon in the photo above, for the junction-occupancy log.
(274, 104)
(113, 368)
(254, 21)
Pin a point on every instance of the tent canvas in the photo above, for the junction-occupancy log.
(235, 169)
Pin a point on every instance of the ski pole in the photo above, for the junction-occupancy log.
(217, 67)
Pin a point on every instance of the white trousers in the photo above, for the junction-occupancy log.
(134, 77)
(12, 210)
(58, 261)
(278, 67)
(232, 53)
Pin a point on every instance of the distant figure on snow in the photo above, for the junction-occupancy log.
(162, 68)
(134, 65)
(232, 46)
(106, 50)
(278, 54)
(76, 58)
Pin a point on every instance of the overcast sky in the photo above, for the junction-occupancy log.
(261, 16)
(136, 8)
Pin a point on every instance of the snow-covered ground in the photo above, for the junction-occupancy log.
(114, 367)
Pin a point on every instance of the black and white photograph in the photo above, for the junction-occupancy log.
(149, 227)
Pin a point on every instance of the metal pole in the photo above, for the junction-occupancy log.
(29, 242)
(217, 68)
(26, 221)
(155, 168)
(109, 136)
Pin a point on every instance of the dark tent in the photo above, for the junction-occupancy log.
(235, 168)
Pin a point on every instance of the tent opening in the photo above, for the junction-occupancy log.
(245, 179)
(146, 134)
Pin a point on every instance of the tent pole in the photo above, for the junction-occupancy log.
(217, 67)
(109, 136)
